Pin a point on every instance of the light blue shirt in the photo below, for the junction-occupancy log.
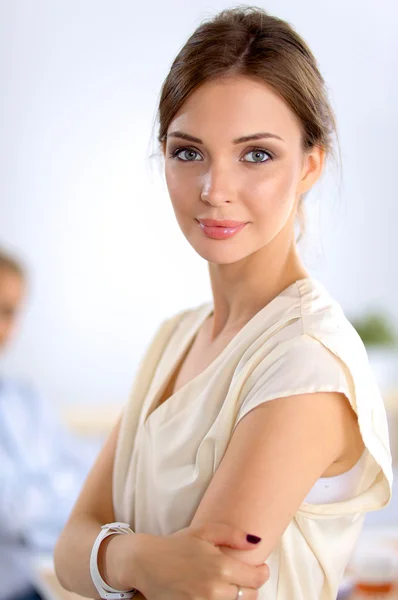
(42, 469)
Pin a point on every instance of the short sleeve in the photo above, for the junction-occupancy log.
(305, 365)
(299, 366)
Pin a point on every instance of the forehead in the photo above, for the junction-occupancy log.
(235, 106)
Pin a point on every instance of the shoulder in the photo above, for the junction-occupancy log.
(307, 319)
(323, 317)
(297, 365)
(314, 348)
(323, 320)
(310, 346)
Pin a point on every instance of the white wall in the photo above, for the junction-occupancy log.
(80, 204)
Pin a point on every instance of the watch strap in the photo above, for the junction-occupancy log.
(106, 591)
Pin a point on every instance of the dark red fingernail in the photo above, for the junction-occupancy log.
(253, 539)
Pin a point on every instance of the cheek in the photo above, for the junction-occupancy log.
(183, 187)
(175, 184)
(274, 193)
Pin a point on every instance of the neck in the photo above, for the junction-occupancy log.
(241, 289)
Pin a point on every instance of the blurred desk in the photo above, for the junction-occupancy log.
(357, 596)
(91, 419)
(386, 536)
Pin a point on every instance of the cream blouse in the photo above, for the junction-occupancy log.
(300, 342)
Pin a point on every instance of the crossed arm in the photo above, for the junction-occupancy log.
(276, 454)
(283, 444)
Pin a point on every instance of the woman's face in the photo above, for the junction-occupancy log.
(220, 176)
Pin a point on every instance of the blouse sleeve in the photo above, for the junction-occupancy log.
(306, 365)
(300, 366)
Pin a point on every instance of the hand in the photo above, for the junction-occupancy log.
(188, 565)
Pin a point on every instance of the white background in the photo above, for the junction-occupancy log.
(87, 210)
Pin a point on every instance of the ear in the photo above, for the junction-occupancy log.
(313, 164)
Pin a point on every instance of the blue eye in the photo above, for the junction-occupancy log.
(187, 153)
(258, 154)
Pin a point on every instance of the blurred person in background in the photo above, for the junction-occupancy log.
(42, 465)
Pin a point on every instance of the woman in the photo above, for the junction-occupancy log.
(257, 412)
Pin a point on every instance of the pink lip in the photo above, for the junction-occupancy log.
(225, 223)
(220, 232)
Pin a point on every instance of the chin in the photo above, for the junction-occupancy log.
(219, 255)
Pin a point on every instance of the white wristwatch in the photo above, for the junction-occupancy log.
(106, 591)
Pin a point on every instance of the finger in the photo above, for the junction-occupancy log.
(221, 534)
(246, 593)
(226, 591)
(241, 574)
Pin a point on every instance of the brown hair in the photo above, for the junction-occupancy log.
(248, 41)
(11, 264)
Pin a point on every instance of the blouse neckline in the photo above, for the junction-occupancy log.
(203, 314)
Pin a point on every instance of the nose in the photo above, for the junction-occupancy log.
(218, 186)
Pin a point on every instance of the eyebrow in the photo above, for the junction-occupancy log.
(245, 138)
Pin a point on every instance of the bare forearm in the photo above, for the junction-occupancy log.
(72, 558)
